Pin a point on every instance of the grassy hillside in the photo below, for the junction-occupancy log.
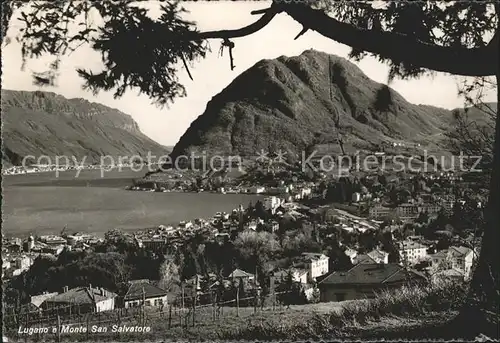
(410, 312)
(42, 123)
(286, 103)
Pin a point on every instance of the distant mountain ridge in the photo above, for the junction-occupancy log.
(285, 102)
(44, 123)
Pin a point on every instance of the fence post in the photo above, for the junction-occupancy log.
(170, 316)
(26, 325)
(214, 300)
(180, 318)
(143, 314)
(255, 302)
(40, 324)
(182, 287)
(88, 326)
(238, 302)
(194, 307)
(58, 328)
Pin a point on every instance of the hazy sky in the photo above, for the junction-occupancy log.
(213, 74)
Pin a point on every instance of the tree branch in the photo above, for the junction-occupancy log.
(459, 61)
(304, 30)
(186, 66)
(244, 31)
(6, 14)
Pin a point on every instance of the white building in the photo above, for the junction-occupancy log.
(346, 228)
(185, 225)
(305, 192)
(37, 300)
(379, 256)
(356, 197)
(456, 258)
(142, 292)
(256, 190)
(252, 225)
(281, 190)
(272, 203)
(23, 262)
(86, 299)
(5, 265)
(317, 264)
(412, 252)
(168, 230)
(298, 275)
(53, 240)
(274, 226)
(352, 254)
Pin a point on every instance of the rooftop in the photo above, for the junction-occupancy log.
(82, 295)
(364, 258)
(143, 289)
(238, 273)
(460, 251)
(377, 254)
(310, 256)
(372, 274)
(411, 245)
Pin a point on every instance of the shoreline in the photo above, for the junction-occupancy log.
(101, 209)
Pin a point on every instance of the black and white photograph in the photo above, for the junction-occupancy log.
(276, 170)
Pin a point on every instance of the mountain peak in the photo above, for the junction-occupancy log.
(282, 103)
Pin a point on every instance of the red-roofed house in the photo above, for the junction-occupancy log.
(363, 280)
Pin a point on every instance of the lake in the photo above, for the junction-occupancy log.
(44, 203)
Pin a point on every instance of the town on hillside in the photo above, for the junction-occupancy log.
(310, 239)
